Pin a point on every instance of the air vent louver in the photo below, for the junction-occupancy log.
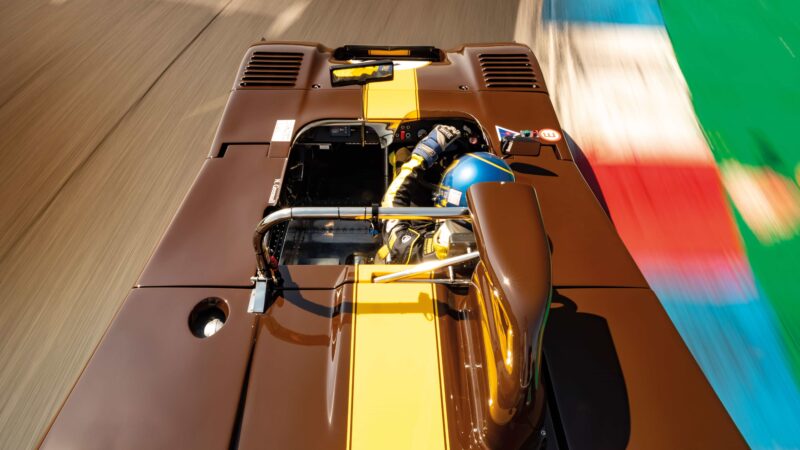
(507, 71)
(272, 69)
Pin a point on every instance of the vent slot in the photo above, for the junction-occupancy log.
(272, 69)
(507, 71)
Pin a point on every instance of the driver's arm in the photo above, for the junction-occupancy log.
(402, 243)
(399, 238)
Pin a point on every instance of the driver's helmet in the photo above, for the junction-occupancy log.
(466, 170)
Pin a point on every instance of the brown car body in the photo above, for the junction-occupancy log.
(612, 371)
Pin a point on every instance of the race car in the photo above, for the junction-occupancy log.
(265, 320)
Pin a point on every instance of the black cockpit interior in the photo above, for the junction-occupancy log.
(351, 164)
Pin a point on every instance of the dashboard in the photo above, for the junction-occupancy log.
(411, 132)
(407, 134)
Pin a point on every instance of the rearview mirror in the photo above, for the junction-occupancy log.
(362, 73)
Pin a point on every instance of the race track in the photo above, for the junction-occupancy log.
(108, 108)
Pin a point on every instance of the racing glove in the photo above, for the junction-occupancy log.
(435, 143)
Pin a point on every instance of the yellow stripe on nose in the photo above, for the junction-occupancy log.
(396, 382)
(393, 100)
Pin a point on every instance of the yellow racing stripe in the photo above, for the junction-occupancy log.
(396, 380)
(395, 100)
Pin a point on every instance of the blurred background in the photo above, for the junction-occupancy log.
(685, 111)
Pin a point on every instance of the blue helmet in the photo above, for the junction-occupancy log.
(466, 170)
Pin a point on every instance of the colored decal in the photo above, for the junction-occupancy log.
(503, 132)
(549, 135)
(283, 131)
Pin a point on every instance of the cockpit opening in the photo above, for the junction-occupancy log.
(350, 163)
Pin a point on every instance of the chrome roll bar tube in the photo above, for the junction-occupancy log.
(426, 267)
(261, 237)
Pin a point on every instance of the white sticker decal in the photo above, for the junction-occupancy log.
(504, 132)
(276, 189)
(549, 135)
(453, 196)
(283, 131)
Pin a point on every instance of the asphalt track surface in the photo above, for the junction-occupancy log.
(108, 109)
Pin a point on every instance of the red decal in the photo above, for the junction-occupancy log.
(549, 135)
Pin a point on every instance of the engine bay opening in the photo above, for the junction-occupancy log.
(351, 163)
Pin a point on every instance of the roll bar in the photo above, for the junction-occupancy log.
(261, 237)
(426, 267)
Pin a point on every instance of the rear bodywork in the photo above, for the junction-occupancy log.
(338, 361)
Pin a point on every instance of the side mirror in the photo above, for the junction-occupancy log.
(521, 145)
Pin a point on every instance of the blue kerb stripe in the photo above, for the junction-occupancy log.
(627, 12)
(744, 358)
